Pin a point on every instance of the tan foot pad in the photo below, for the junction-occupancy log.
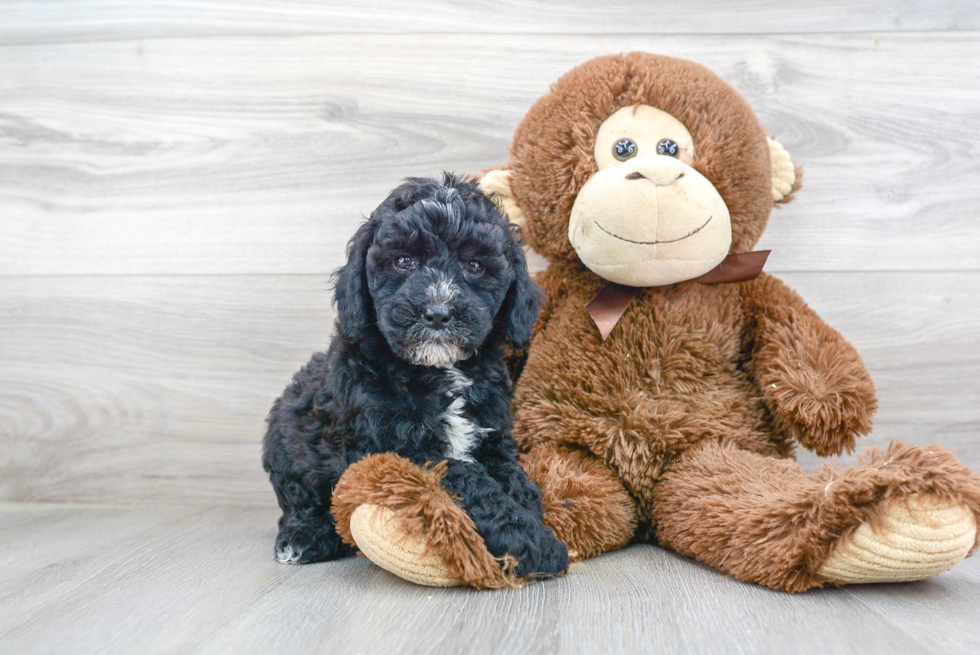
(378, 537)
(917, 539)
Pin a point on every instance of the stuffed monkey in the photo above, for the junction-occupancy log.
(668, 379)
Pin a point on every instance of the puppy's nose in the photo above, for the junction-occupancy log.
(438, 316)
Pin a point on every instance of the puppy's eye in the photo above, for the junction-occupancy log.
(624, 149)
(474, 268)
(405, 264)
(668, 147)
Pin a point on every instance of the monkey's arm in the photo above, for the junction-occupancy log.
(812, 379)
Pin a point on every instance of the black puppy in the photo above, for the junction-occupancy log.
(435, 287)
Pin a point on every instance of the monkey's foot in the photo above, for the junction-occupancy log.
(378, 535)
(916, 538)
(398, 515)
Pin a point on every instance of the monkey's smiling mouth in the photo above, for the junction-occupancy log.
(653, 243)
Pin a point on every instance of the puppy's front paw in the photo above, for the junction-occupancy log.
(554, 556)
(540, 554)
(290, 545)
(299, 543)
(286, 555)
(551, 558)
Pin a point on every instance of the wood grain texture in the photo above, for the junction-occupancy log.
(259, 155)
(203, 579)
(47, 21)
(154, 389)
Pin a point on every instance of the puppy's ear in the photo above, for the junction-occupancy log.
(355, 309)
(523, 301)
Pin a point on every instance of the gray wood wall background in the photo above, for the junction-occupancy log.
(178, 180)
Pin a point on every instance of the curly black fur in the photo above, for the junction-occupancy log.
(435, 287)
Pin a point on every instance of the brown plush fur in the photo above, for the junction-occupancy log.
(695, 399)
(584, 502)
(773, 524)
(425, 510)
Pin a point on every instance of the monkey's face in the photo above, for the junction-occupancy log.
(647, 217)
(648, 170)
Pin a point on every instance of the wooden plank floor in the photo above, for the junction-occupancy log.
(182, 579)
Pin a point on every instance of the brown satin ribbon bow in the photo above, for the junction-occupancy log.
(611, 302)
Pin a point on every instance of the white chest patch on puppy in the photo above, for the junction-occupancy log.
(460, 431)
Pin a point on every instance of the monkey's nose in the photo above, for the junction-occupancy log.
(662, 173)
(438, 317)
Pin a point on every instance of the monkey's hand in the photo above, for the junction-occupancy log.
(812, 379)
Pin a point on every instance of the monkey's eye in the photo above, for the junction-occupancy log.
(405, 264)
(668, 147)
(474, 268)
(624, 149)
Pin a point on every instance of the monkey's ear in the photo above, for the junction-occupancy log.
(496, 184)
(784, 174)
